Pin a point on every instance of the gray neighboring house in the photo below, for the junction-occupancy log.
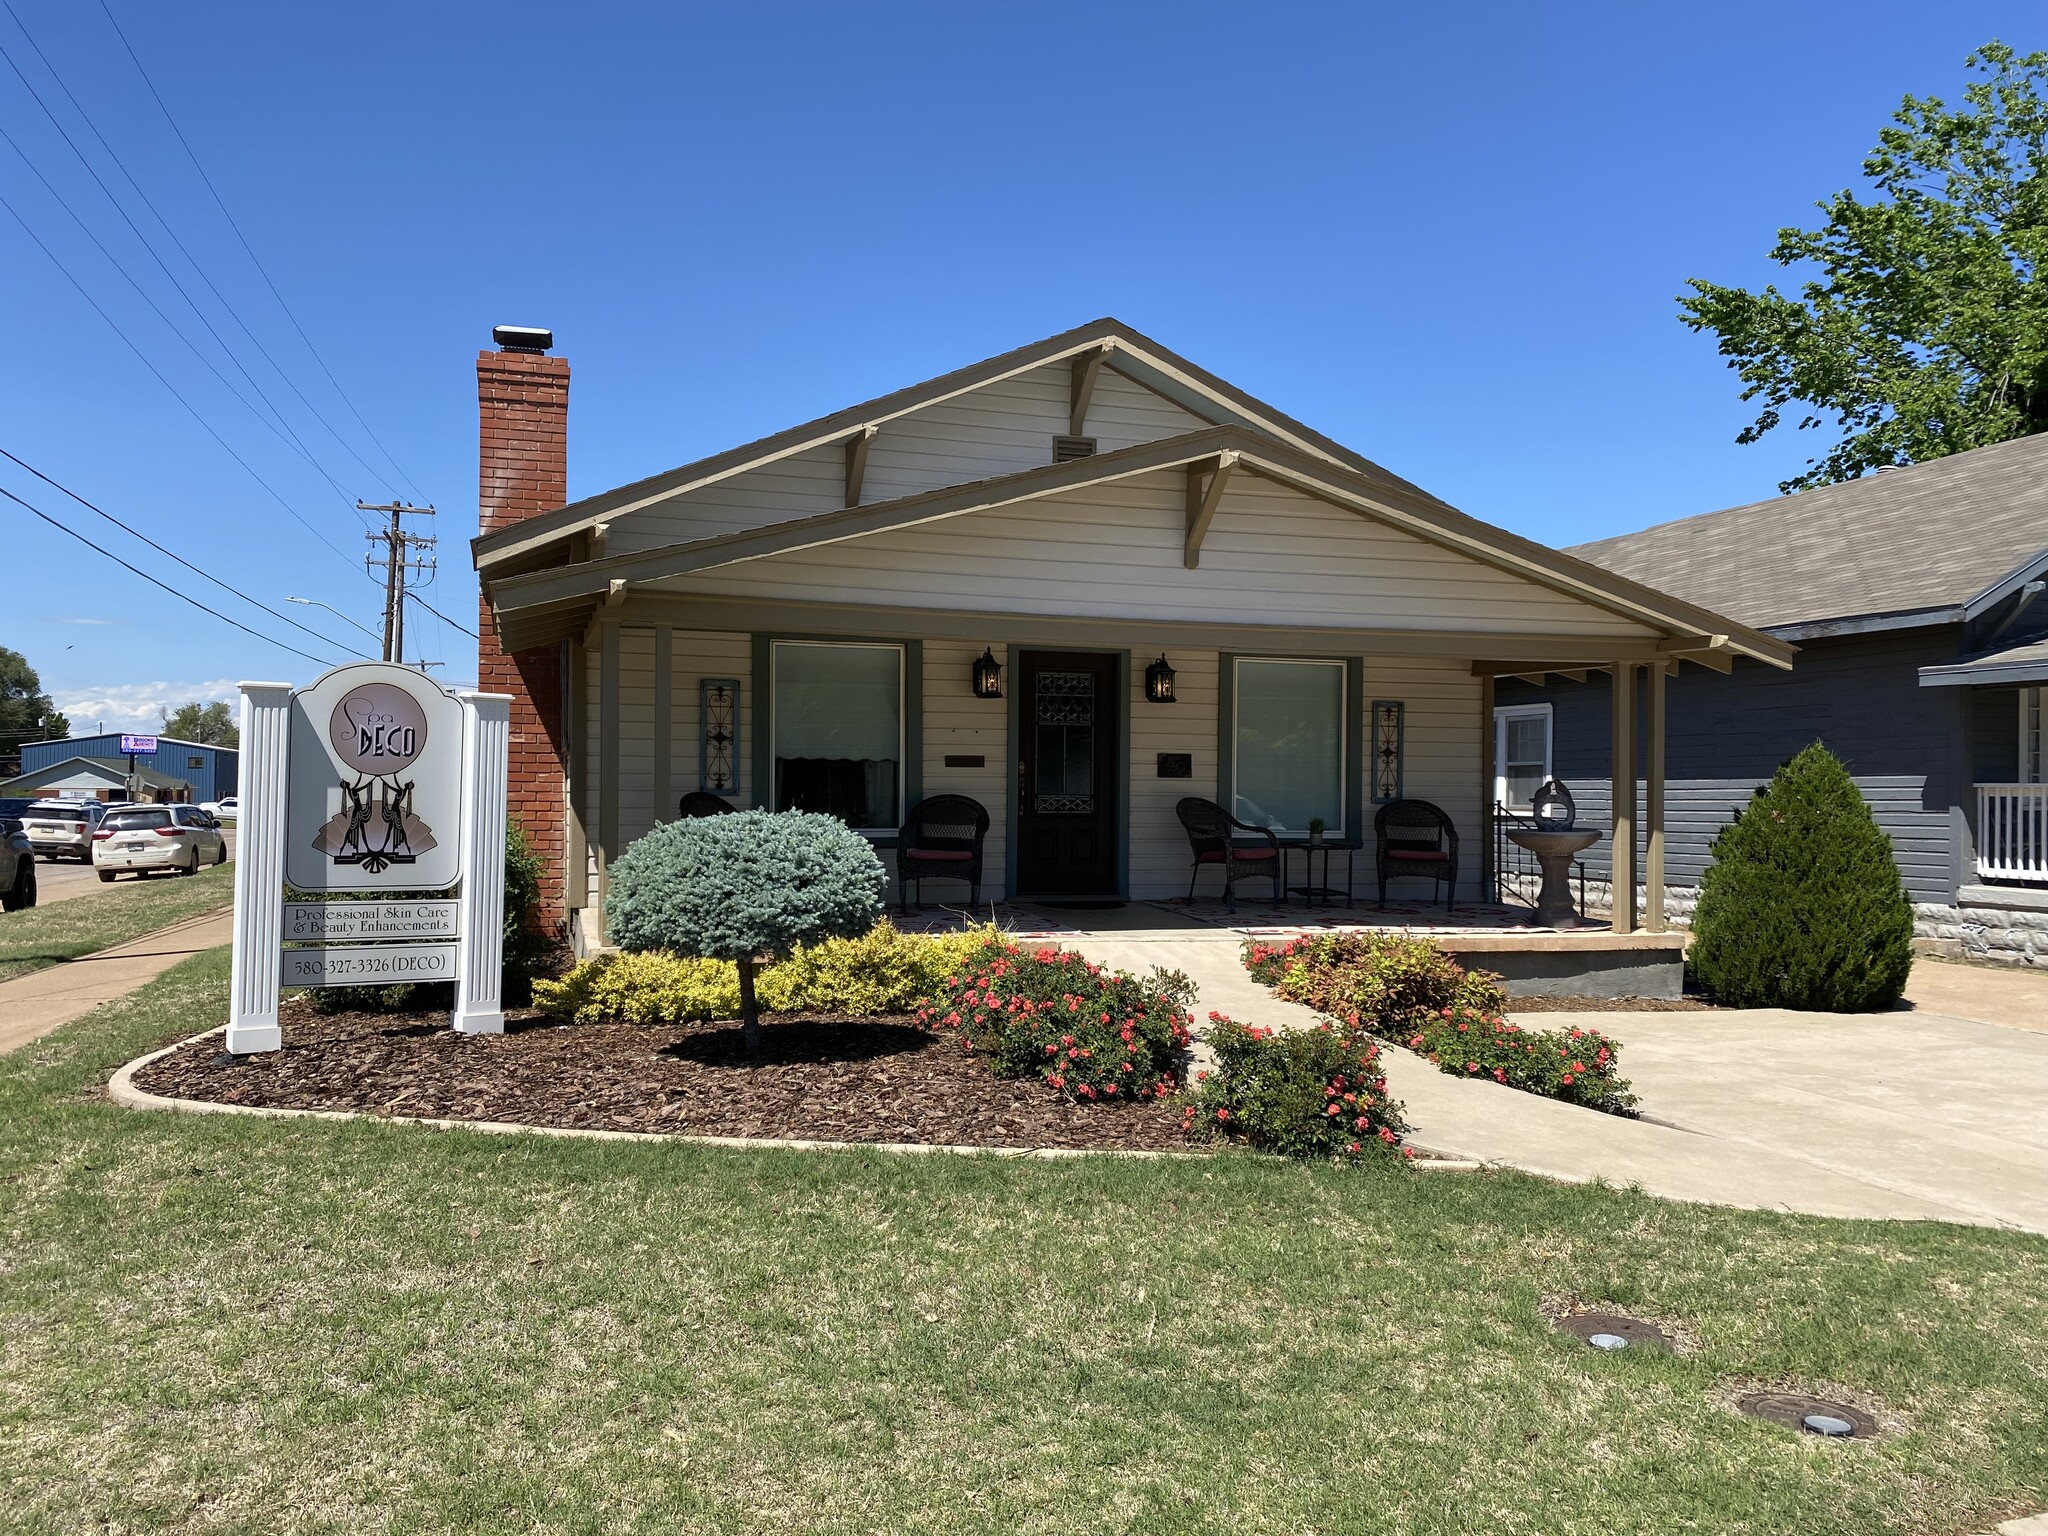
(1915, 598)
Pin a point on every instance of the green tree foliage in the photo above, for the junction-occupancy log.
(1802, 905)
(748, 888)
(1924, 330)
(26, 713)
(211, 725)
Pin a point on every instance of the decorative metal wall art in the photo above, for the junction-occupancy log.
(718, 734)
(1388, 748)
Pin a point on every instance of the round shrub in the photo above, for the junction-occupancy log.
(1299, 1092)
(748, 887)
(1802, 906)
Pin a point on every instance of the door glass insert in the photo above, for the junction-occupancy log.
(1066, 745)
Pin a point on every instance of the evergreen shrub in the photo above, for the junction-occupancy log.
(748, 888)
(1802, 906)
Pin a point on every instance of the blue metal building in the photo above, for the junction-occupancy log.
(213, 772)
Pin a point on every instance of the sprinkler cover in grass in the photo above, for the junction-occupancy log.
(1827, 1424)
(1608, 1341)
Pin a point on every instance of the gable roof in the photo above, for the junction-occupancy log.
(1932, 543)
(109, 768)
(1413, 512)
(1124, 349)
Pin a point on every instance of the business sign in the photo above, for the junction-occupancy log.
(328, 922)
(140, 744)
(372, 779)
(374, 784)
(366, 965)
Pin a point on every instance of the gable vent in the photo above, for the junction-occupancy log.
(1067, 449)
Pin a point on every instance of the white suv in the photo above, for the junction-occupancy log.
(141, 838)
(62, 827)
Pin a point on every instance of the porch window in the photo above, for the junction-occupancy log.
(1290, 732)
(1521, 753)
(837, 730)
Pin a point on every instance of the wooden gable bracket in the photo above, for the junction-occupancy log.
(857, 462)
(1087, 367)
(1203, 499)
(1708, 650)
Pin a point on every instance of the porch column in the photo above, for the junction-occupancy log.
(1622, 759)
(607, 760)
(1653, 802)
(1487, 770)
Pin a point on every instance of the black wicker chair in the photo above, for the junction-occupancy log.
(701, 802)
(940, 839)
(1209, 828)
(1417, 842)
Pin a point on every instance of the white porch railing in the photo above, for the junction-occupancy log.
(2012, 831)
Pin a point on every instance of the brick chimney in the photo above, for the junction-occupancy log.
(522, 399)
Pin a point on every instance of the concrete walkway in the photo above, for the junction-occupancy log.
(33, 1005)
(1764, 1111)
(2013, 995)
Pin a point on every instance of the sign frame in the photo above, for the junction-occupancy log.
(482, 726)
(139, 745)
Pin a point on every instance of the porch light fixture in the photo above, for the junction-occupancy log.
(1159, 682)
(988, 675)
(1553, 808)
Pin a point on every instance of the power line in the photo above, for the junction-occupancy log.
(282, 427)
(182, 597)
(234, 314)
(167, 384)
(172, 554)
(251, 252)
(413, 593)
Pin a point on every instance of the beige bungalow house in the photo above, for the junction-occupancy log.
(1076, 582)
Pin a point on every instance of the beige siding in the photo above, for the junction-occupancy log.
(999, 429)
(1441, 759)
(697, 655)
(1273, 556)
(959, 724)
(1159, 848)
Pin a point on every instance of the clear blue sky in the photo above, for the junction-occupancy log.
(1449, 236)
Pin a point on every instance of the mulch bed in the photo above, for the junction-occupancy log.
(818, 1079)
(1609, 1005)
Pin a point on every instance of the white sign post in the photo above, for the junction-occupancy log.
(372, 778)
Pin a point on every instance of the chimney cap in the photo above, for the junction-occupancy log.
(522, 338)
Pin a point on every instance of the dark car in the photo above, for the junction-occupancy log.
(17, 862)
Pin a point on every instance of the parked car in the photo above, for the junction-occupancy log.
(17, 864)
(13, 808)
(157, 837)
(225, 809)
(63, 827)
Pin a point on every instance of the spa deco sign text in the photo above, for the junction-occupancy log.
(373, 779)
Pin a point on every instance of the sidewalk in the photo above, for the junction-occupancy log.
(1728, 1164)
(33, 1005)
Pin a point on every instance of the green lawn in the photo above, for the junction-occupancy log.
(234, 1325)
(64, 930)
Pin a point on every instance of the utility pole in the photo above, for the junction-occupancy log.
(398, 560)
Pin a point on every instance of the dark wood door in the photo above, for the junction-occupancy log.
(1066, 773)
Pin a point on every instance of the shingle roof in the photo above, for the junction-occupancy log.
(1928, 536)
(148, 777)
(2026, 663)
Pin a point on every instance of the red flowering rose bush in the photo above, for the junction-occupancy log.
(1299, 1092)
(1094, 1035)
(1411, 993)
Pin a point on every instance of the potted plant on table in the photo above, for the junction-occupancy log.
(1316, 827)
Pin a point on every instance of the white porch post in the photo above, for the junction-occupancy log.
(1653, 803)
(256, 959)
(479, 941)
(1623, 764)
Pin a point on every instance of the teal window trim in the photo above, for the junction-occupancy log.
(913, 717)
(1353, 733)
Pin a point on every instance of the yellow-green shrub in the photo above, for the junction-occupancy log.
(884, 971)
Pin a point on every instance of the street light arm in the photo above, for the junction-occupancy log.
(314, 602)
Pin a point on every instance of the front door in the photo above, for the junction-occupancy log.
(1066, 774)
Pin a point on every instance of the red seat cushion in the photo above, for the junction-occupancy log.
(1419, 856)
(1215, 855)
(949, 855)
